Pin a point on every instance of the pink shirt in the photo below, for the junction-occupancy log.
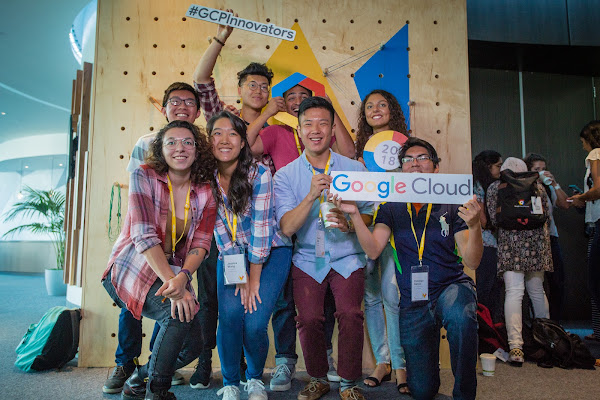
(279, 143)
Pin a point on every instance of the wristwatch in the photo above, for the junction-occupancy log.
(188, 274)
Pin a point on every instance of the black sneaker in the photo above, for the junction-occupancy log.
(200, 379)
(134, 388)
(160, 395)
(116, 380)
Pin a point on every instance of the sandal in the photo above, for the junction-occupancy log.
(516, 357)
(403, 386)
(376, 382)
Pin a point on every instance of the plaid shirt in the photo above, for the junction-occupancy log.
(257, 228)
(210, 103)
(144, 228)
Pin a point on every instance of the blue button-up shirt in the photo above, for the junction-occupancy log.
(343, 252)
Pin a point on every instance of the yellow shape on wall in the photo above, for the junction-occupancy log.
(286, 60)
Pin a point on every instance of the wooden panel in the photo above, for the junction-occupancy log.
(137, 38)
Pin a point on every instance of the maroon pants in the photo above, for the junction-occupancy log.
(309, 297)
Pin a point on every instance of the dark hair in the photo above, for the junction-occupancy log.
(591, 133)
(481, 167)
(315, 102)
(413, 142)
(255, 69)
(203, 166)
(240, 188)
(365, 131)
(180, 86)
(533, 157)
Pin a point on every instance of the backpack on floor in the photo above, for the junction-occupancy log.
(492, 336)
(565, 350)
(52, 342)
(515, 208)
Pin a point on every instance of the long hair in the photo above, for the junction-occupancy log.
(481, 167)
(202, 167)
(365, 131)
(591, 133)
(240, 188)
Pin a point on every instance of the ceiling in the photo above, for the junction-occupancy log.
(37, 62)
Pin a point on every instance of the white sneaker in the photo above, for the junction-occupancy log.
(256, 390)
(229, 393)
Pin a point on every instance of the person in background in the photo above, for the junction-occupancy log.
(523, 257)
(166, 235)
(486, 169)
(590, 199)
(380, 112)
(558, 198)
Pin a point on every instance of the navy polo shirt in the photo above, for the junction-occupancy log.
(440, 253)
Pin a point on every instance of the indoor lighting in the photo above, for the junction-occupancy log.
(27, 166)
(60, 165)
(3, 113)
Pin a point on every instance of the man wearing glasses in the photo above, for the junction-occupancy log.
(434, 289)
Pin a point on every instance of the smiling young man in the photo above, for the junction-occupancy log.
(434, 290)
(322, 257)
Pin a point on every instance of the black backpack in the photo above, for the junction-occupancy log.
(514, 209)
(564, 350)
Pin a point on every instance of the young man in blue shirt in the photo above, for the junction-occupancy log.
(426, 237)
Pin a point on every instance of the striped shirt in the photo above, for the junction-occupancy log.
(144, 228)
(257, 229)
(210, 103)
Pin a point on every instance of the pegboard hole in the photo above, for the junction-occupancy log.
(151, 128)
(113, 335)
(124, 72)
(407, 21)
(122, 128)
(155, 45)
(408, 76)
(380, 75)
(267, 47)
(435, 22)
(295, 19)
(409, 131)
(324, 47)
(324, 20)
(295, 47)
(443, 336)
(182, 73)
(351, 21)
(435, 49)
(156, 18)
(121, 156)
(352, 102)
(351, 75)
(126, 45)
(436, 76)
(239, 46)
(153, 72)
(438, 131)
(352, 130)
(437, 103)
(183, 46)
(114, 304)
(408, 49)
(238, 101)
(124, 100)
(143, 335)
(268, 19)
(184, 19)
(351, 47)
(379, 21)
(127, 18)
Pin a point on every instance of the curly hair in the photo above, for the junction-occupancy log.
(365, 131)
(240, 188)
(204, 165)
(591, 133)
(481, 167)
(255, 69)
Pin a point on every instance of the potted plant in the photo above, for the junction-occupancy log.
(49, 207)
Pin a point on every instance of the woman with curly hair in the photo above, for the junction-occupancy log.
(590, 199)
(379, 112)
(245, 226)
(167, 234)
(486, 170)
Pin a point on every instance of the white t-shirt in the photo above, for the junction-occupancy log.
(592, 208)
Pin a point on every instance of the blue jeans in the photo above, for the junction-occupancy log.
(420, 323)
(177, 343)
(381, 294)
(237, 328)
(130, 339)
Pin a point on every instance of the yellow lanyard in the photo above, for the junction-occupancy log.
(232, 227)
(325, 172)
(174, 217)
(298, 142)
(422, 245)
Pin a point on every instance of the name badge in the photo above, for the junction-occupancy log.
(320, 241)
(536, 205)
(419, 282)
(234, 267)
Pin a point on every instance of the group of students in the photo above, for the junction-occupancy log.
(188, 187)
(517, 260)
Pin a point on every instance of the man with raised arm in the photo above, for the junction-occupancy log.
(323, 257)
(434, 290)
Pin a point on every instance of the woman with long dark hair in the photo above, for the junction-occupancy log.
(247, 234)
(590, 199)
(486, 170)
(380, 111)
(167, 233)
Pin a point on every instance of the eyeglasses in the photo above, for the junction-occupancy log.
(253, 86)
(176, 101)
(421, 159)
(186, 143)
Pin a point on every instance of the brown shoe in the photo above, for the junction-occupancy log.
(352, 394)
(315, 389)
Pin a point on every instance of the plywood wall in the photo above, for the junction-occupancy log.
(143, 46)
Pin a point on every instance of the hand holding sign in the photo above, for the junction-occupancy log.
(348, 207)
(318, 183)
(224, 31)
(469, 212)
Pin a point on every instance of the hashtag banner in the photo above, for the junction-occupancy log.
(226, 18)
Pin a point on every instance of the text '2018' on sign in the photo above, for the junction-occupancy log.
(226, 18)
(403, 187)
